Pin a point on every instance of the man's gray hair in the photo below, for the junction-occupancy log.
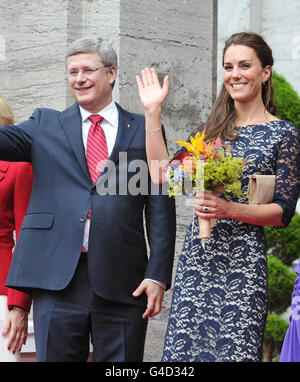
(88, 45)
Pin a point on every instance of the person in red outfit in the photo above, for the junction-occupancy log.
(15, 188)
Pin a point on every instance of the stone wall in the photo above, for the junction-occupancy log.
(277, 21)
(178, 37)
(33, 71)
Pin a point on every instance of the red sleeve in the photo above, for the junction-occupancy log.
(19, 299)
(180, 155)
(22, 191)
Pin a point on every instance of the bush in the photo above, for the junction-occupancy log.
(281, 284)
(275, 331)
(276, 328)
(284, 243)
(286, 100)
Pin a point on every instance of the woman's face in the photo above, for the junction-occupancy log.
(243, 73)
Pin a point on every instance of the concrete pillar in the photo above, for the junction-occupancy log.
(281, 30)
(33, 71)
(178, 37)
(256, 16)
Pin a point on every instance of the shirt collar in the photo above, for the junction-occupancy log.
(109, 113)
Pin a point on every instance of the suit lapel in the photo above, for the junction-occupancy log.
(71, 122)
(127, 129)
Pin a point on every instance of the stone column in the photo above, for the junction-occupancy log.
(256, 16)
(177, 37)
(33, 72)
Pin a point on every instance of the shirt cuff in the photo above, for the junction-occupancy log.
(160, 283)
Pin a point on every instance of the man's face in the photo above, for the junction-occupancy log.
(91, 88)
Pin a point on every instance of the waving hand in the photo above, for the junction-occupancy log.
(152, 94)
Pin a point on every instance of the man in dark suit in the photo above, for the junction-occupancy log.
(82, 252)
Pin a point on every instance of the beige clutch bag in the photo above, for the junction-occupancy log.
(261, 189)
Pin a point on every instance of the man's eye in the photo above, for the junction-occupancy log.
(89, 70)
(73, 72)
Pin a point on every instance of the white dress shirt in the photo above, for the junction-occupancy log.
(110, 123)
(110, 128)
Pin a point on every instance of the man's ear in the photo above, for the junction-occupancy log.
(113, 74)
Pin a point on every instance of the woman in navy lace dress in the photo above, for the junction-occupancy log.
(220, 297)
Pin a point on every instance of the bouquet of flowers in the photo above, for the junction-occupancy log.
(209, 167)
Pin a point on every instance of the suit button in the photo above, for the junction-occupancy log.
(83, 219)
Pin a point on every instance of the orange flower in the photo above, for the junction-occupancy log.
(188, 163)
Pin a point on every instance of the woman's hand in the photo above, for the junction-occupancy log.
(209, 206)
(16, 326)
(152, 94)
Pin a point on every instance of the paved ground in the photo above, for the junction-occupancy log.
(155, 340)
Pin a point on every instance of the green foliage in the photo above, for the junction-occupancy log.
(281, 284)
(224, 170)
(276, 328)
(286, 100)
(284, 243)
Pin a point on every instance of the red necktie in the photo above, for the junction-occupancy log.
(96, 148)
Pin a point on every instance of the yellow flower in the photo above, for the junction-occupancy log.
(190, 148)
(197, 146)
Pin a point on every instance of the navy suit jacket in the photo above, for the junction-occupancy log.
(51, 236)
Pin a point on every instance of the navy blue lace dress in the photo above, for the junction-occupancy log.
(220, 297)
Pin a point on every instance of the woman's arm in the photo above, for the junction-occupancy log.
(152, 96)
(262, 214)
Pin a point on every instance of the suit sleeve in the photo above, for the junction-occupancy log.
(22, 191)
(161, 232)
(16, 140)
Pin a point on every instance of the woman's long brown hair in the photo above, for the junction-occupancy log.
(6, 115)
(220, 122)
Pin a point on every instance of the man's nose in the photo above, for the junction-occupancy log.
(81, 77)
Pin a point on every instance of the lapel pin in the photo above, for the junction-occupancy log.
(127, 125)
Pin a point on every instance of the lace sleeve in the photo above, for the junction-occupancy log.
(288, 173)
